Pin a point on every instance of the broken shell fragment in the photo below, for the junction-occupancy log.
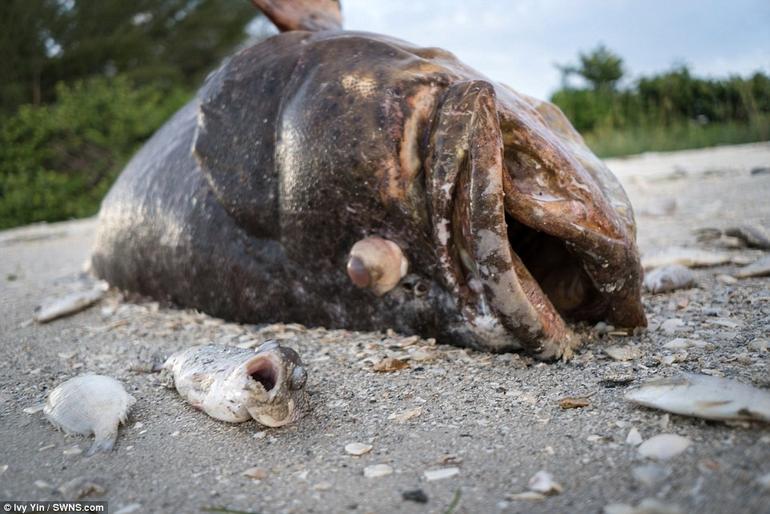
(664, 446)
(668, 278)
(704, 396)
(377, 264)
(440, 474)
(357, 449)
(634, 438)
(90, 404)
(543, 482)
(377, 471)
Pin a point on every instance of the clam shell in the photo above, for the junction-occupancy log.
(90, 404)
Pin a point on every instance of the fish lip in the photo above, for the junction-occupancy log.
(470, 181)
(507, 308)
(464, 178)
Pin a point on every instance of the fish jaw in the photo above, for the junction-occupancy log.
(507, 297)
(277, 377)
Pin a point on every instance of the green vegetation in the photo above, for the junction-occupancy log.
(669, 111)
(57, 161)
(86, 82)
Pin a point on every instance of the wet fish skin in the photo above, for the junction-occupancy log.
(236, 384)
(704, 396)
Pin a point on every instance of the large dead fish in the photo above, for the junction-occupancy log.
(354, 180)
(237, 384)
(704, 396)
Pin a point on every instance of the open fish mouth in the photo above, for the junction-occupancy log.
(527, 239)
(265, 369)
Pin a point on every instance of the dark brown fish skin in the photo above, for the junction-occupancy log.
(308, 142)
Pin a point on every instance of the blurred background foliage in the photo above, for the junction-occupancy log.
(668, 111)
(86, 82)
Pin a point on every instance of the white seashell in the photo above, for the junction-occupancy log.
(681, 343)
(543, 482)
(704, 396)
(90, 404)
(664, 446)
(53, 308)
(358, 449)
(672, 326)
(623, 353)
(634, 438)
(668, 278)
(441, 473)
(377, 471)
(128, 509)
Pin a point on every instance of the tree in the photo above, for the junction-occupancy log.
(43, 42)
(600, 68)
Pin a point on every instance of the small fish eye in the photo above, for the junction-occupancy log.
(420, 288)
(298, 378)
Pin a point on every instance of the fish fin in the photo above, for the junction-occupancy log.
(310, 15)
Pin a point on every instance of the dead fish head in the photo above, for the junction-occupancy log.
(471, 212)
(532, 229)
(274, 381)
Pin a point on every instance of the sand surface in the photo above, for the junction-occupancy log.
(495, 418)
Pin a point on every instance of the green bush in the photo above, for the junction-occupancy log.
(58, 160)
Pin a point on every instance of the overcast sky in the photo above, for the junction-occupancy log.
(518, 41)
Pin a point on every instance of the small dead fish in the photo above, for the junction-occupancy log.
(704, 396)
(90, 404)
(758, 268)
(753, 236)
(668, 278)
(235, 384)
(53, 308)
(690, 257)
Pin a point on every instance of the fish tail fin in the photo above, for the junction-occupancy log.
(310, 15)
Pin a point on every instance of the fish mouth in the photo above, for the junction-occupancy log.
(263, 369)
(524, 253)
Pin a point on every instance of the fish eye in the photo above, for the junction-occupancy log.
(420, 288)
(298, 378)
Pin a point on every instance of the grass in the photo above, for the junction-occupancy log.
(617, 142)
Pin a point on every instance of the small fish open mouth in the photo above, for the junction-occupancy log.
(527, 238)
(263, 370)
